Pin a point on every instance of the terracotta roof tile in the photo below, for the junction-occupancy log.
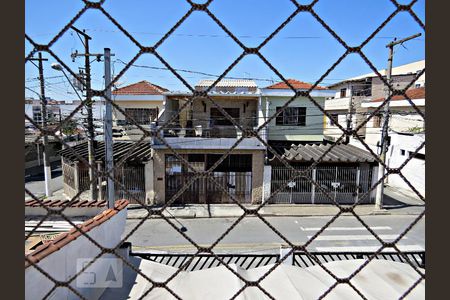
(64, 238)
(140, 88)
(298, 85)
(417, 93)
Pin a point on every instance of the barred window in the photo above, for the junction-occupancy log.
(142, 116)
(292, 116)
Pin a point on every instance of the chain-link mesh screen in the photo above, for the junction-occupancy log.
(144, 134)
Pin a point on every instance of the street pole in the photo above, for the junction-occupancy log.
(45, 158)
(385, 129)
(349, 116)
(91, 150)
(107, 132)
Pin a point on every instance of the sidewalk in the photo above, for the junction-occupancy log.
(396, 202)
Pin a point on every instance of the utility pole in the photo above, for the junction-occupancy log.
(107, 132)
(349, 116)
(91, 150)
(385, 130)
(45, 158)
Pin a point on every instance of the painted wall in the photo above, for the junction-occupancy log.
(117, 115)
(414, 170)
(62, 264)
(312, 131)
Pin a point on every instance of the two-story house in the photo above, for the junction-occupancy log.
(301, 122)
(200, 132)
(350, 93)
(406, 134)
(142, 101)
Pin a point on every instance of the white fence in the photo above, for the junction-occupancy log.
(345, 184)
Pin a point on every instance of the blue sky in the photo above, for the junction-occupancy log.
(303, 50)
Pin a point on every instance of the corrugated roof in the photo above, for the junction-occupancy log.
(227, 83)
(297, 84)
(418, 93)
(140, 88)
(340, 153)
(142, 152)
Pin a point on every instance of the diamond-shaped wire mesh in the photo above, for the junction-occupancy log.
(205, 95)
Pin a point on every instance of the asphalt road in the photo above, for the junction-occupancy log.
(35, 183)
(253, 235)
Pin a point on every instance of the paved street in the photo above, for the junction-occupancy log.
(35, 183)
(252, 235)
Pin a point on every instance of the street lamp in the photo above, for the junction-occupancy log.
(58, 67)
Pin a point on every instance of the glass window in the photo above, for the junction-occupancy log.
(291, 116)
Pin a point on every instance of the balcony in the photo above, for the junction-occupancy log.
(337, 104)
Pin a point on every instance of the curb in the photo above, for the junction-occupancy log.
(194, 216)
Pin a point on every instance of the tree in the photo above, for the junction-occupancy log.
(69, 127)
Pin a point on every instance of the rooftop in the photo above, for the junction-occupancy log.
(65, 238)
(200, 143)
(228, 83)
(340, 153)
(140, 88)
(417, 93)
(140, 152)
(296, 84)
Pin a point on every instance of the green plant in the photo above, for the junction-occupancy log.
(69, 127)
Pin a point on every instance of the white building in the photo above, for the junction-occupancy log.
(406, 132)
(352, 92)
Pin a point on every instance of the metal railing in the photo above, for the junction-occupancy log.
(248, 261)
(191, 262)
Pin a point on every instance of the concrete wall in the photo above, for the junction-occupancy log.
(159, 171)
(117, 115)
(313, 129)
(149, 181)
(397, 122)
(62, 264)
(267, 181)
(414, 170)
(201, 117)
(379, 89)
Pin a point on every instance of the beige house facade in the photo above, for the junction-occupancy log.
(201, 134)
(142, 102)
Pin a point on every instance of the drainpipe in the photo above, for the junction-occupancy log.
(266, 132)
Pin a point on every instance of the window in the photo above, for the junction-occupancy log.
(402, 152)
(141, 115)
(291, 116)
(233, 162)
(418, 155)
(417, 85)
(343, 92)
(217, 118)
(334, 122)
(376, 121)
